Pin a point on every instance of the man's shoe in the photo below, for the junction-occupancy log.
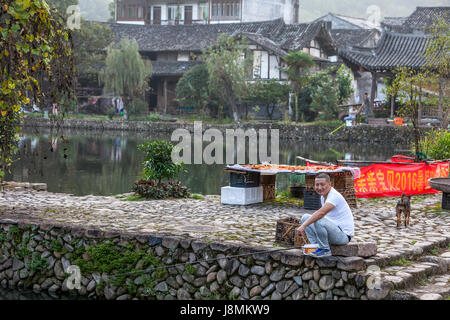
(319, 253)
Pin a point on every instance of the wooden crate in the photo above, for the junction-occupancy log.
(268, 192)
(285, 232)
(267, 179)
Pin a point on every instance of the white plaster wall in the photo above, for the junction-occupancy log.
(274, 71)
(256, 64)
(261, 10)
(264, 65)
(183, 56)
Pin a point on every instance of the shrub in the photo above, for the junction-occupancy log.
(158, 162)
(137, 107)
(154, 117)
(436, 144)
(158, 165)
(110, 112)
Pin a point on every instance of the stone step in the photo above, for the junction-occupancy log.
(358, 249)
(425, 279)
(435, 288)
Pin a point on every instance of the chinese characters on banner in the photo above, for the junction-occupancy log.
(389, 180)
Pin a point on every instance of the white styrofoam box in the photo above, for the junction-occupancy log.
(242, 196)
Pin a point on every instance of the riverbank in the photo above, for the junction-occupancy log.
(300, 132)
(43, 233)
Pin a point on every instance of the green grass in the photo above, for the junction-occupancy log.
(197, 196)
(447, 298)
(134, 198)
(401, 262)
(434, 251)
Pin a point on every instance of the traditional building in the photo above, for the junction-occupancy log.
(347, 38)
(403, 43)
(173, 49)
(339, 21)
(392, 51)
(204, 11)
(418, 22)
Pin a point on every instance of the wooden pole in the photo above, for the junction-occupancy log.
(373, 90)
(165, 96)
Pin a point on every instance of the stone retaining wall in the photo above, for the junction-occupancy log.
(361, 133)
(37, 257)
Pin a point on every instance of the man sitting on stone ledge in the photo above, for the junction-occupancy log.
(332, 223)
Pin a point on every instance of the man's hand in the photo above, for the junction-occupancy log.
(301, 229)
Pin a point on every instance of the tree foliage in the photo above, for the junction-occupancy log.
(269, 93)
(437, 57)
(228, 64)
(323, 92)
(193, 88)
(126, 73)
(35, 46)
(158, 164)
(89, 43)
(407, 85)
(298, 65)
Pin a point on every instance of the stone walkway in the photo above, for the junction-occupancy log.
(208, 219)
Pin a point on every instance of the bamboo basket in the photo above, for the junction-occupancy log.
(285, 232)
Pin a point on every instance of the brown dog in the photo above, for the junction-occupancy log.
(403, 205)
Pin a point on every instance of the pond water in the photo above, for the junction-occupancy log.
(107, 163)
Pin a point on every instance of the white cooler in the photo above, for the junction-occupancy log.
(241, 196)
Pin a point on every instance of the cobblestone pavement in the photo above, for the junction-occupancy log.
(252, 225)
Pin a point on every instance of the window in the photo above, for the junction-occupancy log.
(121, 11)
(227, 9)
(173, 13)
(236, 9)
(231, 9)
(213, 10)
(140, 12)
(203, 11)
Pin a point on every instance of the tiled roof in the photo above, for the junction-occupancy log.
(425, 16)
(264, 42)
(171, 68)
(421, 19)
(344, 38)
(196, 37)
(393, 50)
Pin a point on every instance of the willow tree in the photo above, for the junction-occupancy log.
(34, 45)
(126, 73)
(298, 64)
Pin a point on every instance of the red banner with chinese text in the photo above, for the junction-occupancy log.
(390, 180)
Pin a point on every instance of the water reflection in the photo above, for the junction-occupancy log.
(107, 163)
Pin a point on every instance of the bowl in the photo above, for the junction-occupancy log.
(308, 248)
